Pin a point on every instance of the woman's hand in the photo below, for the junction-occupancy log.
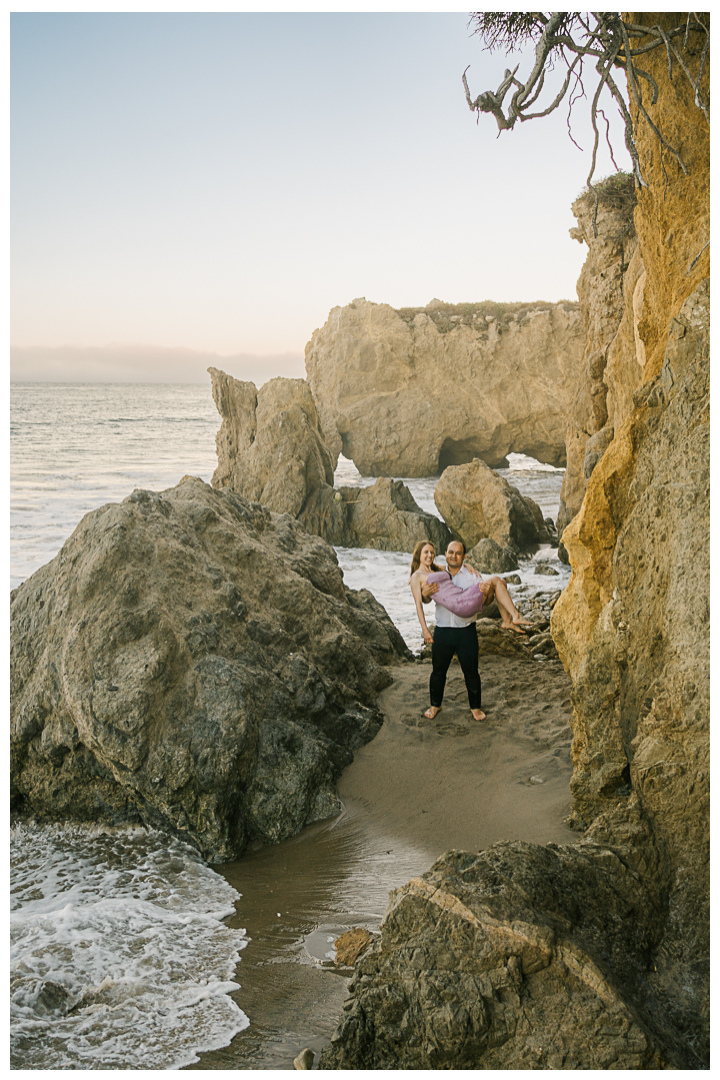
(472, 570)
(427, 636)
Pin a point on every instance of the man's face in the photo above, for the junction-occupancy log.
(454, 555)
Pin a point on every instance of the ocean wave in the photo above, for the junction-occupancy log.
(119, 959)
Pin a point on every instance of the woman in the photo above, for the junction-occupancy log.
(463, 602)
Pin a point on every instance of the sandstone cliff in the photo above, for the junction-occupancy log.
(609, 297)
(409, 392)
(192, 661)
(596, 955)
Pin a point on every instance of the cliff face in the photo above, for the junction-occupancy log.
(632, 626)
(607, 281)
(595, 955)
(409, 392)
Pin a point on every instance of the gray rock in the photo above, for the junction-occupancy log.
(484, 950)
(513, 579)
(489, 558)
(546, 569)
(195, 662)
(383, 516)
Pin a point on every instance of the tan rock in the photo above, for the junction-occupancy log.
(409, 392)
(632, 625)
(607, 309)
(351, 945)
(477, 503)
(270, 448)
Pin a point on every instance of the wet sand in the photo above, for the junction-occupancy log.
(420, 788)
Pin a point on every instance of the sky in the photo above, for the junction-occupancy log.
(191, 189)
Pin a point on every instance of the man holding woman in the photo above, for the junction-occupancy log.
(459, 593)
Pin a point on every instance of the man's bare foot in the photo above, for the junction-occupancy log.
(512, 626)
(478, 714)
(432, 712)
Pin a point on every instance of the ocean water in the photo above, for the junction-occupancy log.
(120, 958)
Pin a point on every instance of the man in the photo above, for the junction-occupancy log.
(455, 635)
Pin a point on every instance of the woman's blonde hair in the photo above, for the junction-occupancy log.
(416, 556)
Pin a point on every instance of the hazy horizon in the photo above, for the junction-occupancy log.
(191, 186)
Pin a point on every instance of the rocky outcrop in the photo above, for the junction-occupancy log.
(270, 448)
(596, 955)
(611, 304)
(477, 503)
(384, 516)
(495, 961)
(409, 392)
(193, 661)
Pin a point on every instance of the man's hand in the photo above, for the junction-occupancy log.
(428, 591)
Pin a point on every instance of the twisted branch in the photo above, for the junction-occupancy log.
(611, 43)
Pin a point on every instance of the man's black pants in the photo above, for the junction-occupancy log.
(447, 641)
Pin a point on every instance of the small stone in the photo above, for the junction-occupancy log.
(305, 1059)
(536, 780)
(545, 568)
(513, 579)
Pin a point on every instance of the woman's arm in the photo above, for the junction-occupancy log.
(462, 602)
(416, 584)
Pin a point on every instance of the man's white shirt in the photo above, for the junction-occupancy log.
(443, 617)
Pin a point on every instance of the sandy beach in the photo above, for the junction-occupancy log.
(420, 788)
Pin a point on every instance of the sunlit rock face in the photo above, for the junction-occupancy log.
(611, 302)
(409, 392)
(193, 661)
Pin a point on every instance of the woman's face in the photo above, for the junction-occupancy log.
(427, 554)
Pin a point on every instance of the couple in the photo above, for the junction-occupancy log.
(459, 593)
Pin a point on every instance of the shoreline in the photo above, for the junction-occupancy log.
(418, 789)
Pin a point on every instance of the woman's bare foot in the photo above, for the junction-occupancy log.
(513, 626)
(520, 621)
(432, 712)
(478, 714)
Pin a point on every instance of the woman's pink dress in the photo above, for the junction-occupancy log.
(462, 602)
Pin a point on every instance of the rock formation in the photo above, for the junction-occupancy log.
(384, 516)
(610, 294)
(596, 955)
(271, 450)
(193, 661)
(477, 503)
(409, 392)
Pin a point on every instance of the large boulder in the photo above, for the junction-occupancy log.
(505, 959)
(384, 516)
(193, 661)
(270, 448)
(477, 503)
(409, 392)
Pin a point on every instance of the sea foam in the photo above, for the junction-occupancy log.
(119, 959)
